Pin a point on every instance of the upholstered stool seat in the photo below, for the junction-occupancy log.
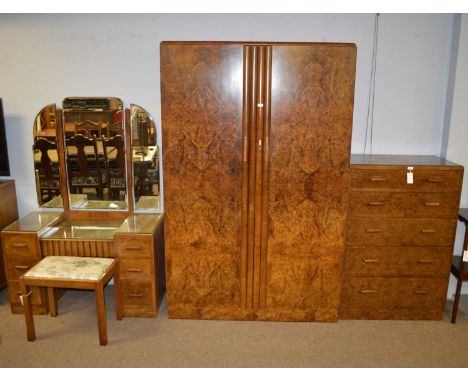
(75, 273)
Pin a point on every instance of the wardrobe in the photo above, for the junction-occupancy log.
(256, 149)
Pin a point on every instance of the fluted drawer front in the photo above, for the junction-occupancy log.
(394, 293)
(395, 178)
(403, 204)
(138, 269)
(401, 231)
(397, 261)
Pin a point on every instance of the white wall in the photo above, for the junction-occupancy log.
(44, 58)
(456, 145)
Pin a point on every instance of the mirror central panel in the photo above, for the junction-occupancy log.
(95, 152)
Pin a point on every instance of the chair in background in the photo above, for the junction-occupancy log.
(84, 169)
(48, 172)
(114, 158)
(459, 267)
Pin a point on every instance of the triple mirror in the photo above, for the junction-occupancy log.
(93, 132)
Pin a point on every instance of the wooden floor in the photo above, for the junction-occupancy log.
(71, 340)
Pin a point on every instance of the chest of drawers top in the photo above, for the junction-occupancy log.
(389, 172)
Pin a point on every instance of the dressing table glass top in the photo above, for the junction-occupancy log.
(84, 229)
(35, 222)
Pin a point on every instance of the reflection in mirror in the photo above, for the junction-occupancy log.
(95, 152)
(46, 160)
(145, 160)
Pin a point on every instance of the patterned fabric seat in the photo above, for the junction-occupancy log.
(70, 267)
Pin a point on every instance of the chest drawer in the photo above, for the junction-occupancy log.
(403, 204)
(20, 246)
(401, 231)
(397, 261)
(395, 293)
(137, 269)
(395, 178)
(129, 246)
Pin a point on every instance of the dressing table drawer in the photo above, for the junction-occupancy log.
(17, 268)
(138, 298)
(136, 269)
(20, 246)
(131, 247)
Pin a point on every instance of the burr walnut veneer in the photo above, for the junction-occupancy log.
(256, 142)
(400, 236)
(137, 241)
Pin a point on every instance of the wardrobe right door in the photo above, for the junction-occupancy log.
(307, 161)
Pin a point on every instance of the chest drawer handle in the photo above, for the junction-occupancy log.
(367, 291)
(22, 267)
(135, 294)
(134, 248)
(432, 204)
(136, 270)
(377, 178)
(373, 230)
(368, 261)
(19, 245)
(421, 292)
(435, 180)
(428, 231)
(375, 204)
(425, 261)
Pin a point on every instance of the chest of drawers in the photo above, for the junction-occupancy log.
(400, 236)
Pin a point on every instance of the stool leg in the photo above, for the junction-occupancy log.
(28, 315)
(118, 293)
(101, 314)
(457, 298)
(52, 302)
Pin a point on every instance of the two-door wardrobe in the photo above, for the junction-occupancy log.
(256, 149)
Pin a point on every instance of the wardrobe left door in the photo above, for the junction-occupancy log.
(202, 96)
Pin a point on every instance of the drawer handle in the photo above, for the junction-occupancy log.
(135, 294)
(432, 204)
(135, 248)
(373, 230)
(435, 180)
(375, 204)
(425, 261)
(22, 267)
(428, 231)
(19, 245)
(368, 261)
(136, 270)
(367, 291)
(421, 292)
(377, 179)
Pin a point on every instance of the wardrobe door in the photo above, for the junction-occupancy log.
(202, 95)
(307, 161)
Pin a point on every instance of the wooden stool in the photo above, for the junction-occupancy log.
(75, 273)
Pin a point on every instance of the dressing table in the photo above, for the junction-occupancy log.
(112, 222)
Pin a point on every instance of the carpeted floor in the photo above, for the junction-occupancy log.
(71, 340)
